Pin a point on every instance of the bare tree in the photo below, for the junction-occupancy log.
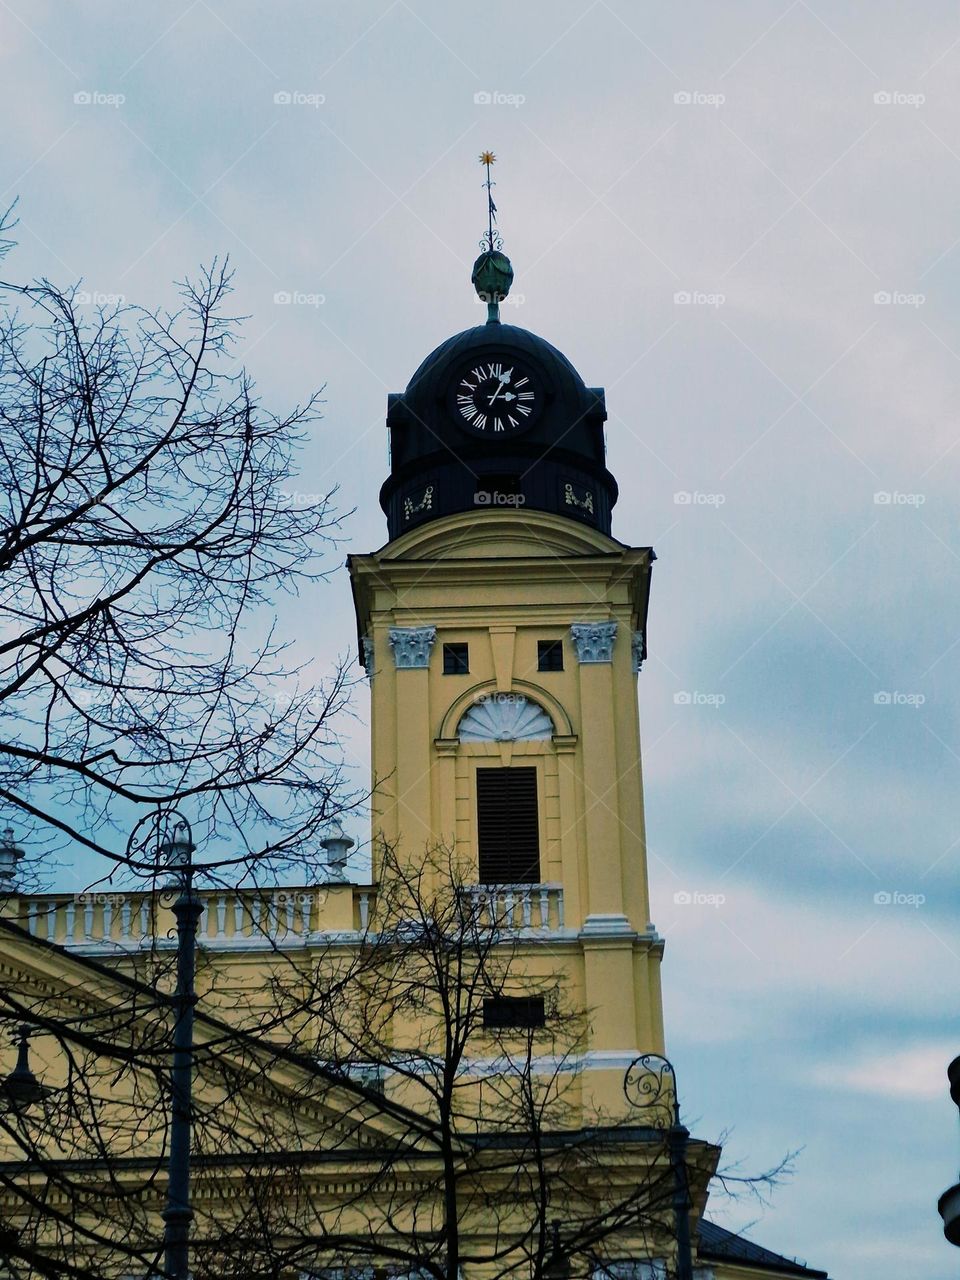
(147, 525)
(446, 1008)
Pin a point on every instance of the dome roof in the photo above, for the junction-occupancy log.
(430, 376)
(447, 456)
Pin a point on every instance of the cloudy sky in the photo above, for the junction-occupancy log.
(741, 220)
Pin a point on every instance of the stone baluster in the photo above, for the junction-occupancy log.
(222, 916)
(306, 901)
(69, 928)
(559, 908)
(88, 920)
(544, 907)
(144, 917)
(527, 908)
(291, 907)
(125, 920)
(51, 924)
(238, 915)
(107, 919)
(364, 909)
(32, 918)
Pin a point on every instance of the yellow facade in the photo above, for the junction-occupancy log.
(500, 584)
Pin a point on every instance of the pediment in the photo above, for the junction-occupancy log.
(500, 535)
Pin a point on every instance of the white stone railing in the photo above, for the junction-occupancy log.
(241, 919)
(231, 918)
(518, 906)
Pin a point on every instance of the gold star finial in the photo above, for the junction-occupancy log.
(487, 157)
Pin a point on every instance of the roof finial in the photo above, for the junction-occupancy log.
(492, 273)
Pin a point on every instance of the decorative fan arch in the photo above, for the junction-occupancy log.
(504, 717)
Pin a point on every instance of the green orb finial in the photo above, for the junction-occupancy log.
(492, 277)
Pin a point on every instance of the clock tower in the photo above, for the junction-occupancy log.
(502, 627)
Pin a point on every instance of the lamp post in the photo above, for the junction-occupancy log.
(10, 855)
(949, 1202)
(645, 1088)
(557, 1266)
(21, 1088)
(176, 851)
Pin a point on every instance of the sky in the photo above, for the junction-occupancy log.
(740, 220)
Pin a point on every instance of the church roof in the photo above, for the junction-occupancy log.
(717, 1244)
(461, 346)
(552, 459)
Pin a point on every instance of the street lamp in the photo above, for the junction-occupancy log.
(557, 1266)
(10, 855)
(176, 851)
(949, 1202)
(21, 1088)
(645, 1088)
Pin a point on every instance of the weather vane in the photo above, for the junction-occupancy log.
(492, 240)
(492, 272)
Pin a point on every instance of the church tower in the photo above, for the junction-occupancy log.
(502, 627)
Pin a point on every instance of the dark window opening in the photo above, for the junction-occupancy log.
(506, 1012)
(549, 655)
(508, 833)
(456, 660)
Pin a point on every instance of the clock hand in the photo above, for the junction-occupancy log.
(497, 392)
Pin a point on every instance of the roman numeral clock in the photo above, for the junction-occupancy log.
(496, 397)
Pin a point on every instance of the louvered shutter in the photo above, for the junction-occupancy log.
(507, 828)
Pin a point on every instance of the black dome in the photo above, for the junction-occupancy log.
(551, 459)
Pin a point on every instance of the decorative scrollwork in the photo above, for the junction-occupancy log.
(491, 242)
(650, 1086)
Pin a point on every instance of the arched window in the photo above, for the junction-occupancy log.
(504, 717)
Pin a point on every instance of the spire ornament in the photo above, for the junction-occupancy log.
(492, 273)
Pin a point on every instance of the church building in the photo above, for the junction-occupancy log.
(502, 627)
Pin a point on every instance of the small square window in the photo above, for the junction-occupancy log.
(513, 1012)
(456, 660)
(549, 655)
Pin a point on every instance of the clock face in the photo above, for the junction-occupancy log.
(497, 398)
